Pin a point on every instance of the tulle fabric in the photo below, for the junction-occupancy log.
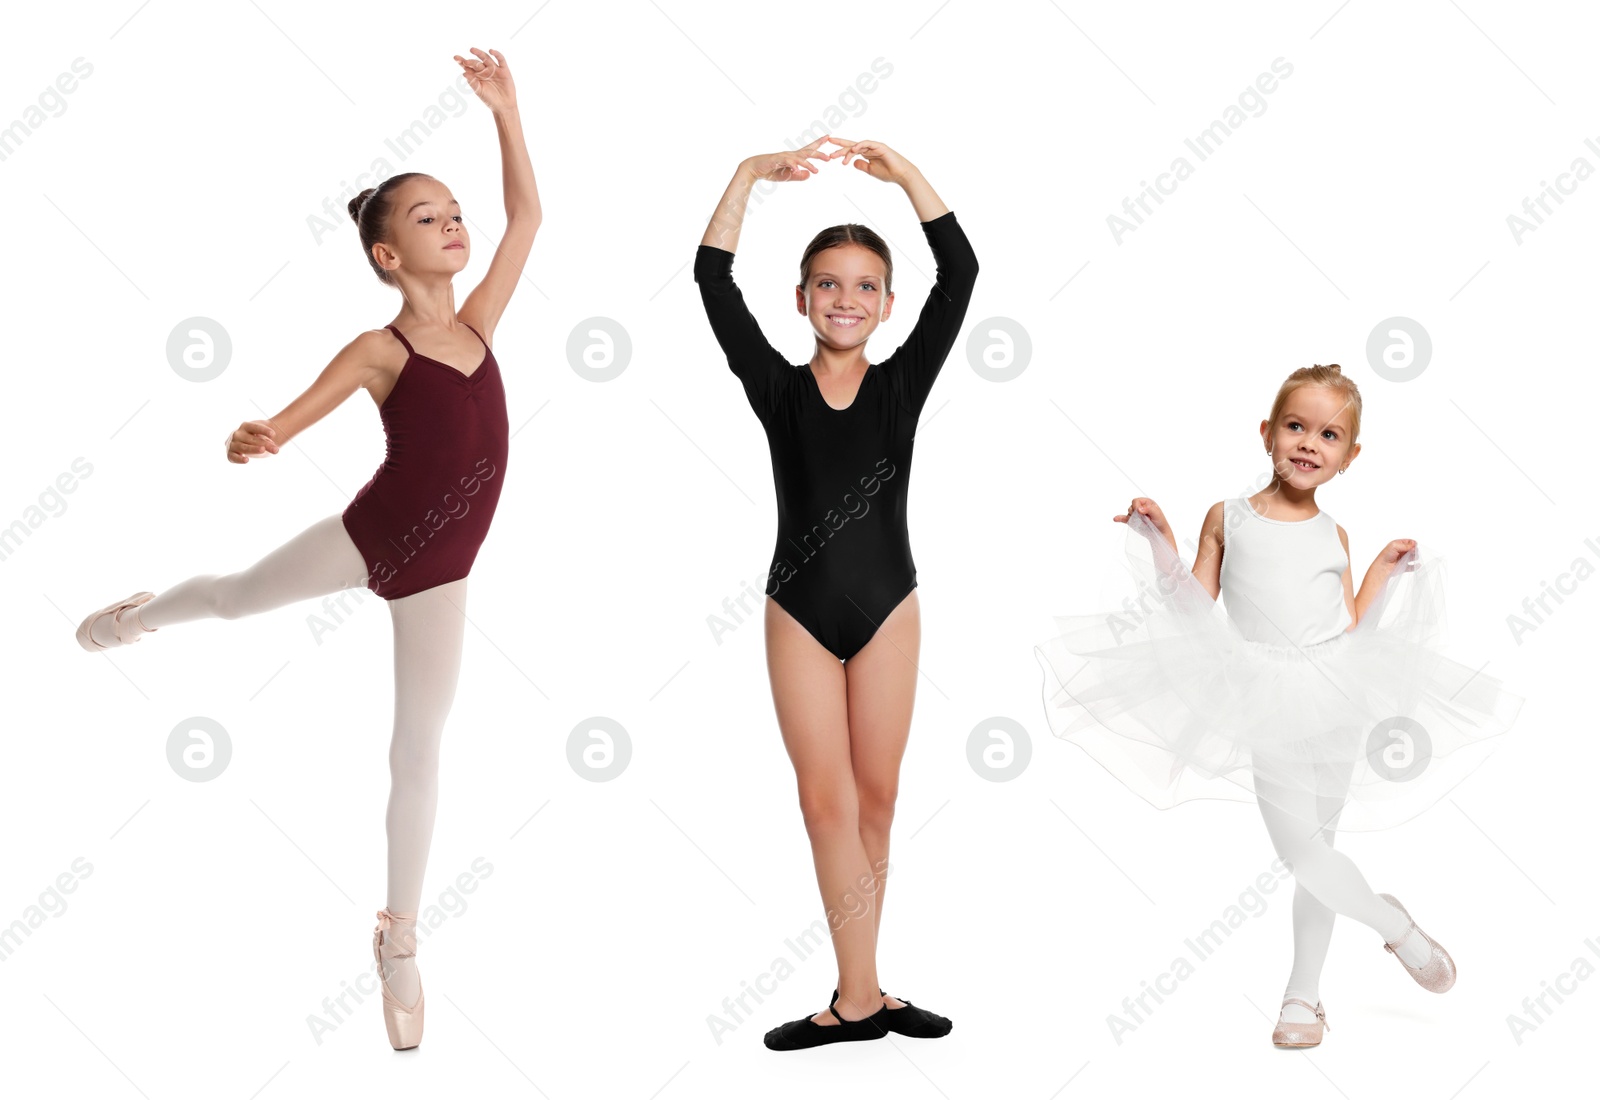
(1169, 696)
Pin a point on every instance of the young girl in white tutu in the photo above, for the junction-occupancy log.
(1327, 705)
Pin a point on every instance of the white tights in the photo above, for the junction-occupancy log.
(1327, 882)
(428, 630)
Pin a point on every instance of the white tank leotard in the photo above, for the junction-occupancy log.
(1283, 580)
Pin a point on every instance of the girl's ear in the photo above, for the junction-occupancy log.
(386, 257)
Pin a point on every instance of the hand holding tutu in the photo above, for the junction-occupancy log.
(1155, 517)
(1400, 552)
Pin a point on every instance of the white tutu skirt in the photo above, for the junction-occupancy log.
(1362, 731)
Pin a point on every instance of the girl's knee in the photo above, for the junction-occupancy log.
(876, 805)
(412, 764)
(223, 595)
(829, 810)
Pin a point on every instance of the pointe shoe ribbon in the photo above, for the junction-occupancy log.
(403, 1024)
(126, 633)
(387, 920)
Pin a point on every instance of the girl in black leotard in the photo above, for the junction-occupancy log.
(842, 622)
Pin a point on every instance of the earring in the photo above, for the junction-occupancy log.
(1341, 469)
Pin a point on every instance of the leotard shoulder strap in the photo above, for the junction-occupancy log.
(409, 349)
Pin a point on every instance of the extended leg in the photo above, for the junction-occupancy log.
(319, 560)
(808, 693)
(1329, 875)
(428, 632)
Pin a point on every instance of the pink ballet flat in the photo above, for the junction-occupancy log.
(1288, 1034)
(403, 1024)
(126, 632)
(1439, 972)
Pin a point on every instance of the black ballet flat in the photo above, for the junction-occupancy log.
(802, 1033)
(911, 1021)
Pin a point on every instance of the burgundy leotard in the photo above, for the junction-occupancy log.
(420, 520)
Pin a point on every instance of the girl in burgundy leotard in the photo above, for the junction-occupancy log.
(412, 533)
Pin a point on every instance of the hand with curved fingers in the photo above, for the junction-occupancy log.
(791, 164)
(489, 77)
(253, 438)
(1148, 508)
(1398, 552)
(877, 159)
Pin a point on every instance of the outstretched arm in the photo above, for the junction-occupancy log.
(490, 78)
(348, 371)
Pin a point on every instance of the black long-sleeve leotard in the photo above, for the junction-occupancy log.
(842, 561)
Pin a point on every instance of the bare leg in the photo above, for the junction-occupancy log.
(881, 688)
(428, 631)
(319, 560)
(808, 693)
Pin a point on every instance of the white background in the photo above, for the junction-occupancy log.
(178, 182)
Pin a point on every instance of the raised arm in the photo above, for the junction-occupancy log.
(916, 363)
(722, 231)
(750, 355)
(490, 77)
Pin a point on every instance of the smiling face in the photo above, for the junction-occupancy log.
(843, 296)
(427, 234)
(1311, 440)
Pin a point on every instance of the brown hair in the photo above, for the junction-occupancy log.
(1329, 376)
(370, 210)
(836, 235)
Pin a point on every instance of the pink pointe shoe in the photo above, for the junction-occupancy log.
(126, 632)
(1439, 972)
(1289, 1034)
(403, 1024)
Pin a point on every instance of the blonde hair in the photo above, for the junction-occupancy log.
(1329, 376)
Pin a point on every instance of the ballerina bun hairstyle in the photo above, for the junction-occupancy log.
(370, 211)
(1329, 376)
(836, 235)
